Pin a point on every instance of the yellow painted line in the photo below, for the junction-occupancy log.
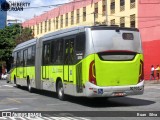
(14, 100)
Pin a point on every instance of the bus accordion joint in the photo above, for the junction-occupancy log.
(141, 71)
(92, 76)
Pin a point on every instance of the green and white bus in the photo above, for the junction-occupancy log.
(90, 61)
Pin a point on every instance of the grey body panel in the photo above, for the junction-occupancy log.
(105, 40)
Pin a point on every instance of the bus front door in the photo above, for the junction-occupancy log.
(68, 60)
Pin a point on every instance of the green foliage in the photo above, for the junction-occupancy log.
(10, 36)
(25, 34)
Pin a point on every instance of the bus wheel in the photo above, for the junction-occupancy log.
(60, 90)
(29, 85)
(15, 82)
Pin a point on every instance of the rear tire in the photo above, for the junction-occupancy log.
(60, 91)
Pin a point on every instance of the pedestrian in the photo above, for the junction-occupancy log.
(152, 73)
(157, 72)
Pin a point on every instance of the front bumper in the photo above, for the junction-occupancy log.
(113, 91)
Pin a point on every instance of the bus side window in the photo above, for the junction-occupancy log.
(46, 54)
(18, 59)
(21, 58)
(14, 58)
(25, 57)
(59, 51)
(80, 46)
(53, 52)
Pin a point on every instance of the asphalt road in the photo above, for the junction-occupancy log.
(19, 100)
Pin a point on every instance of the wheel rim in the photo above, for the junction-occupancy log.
(60, 91)
(29, 87)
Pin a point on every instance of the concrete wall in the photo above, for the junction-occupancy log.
(149, 25)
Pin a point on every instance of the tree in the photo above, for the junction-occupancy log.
(10, 36)
(25, 34)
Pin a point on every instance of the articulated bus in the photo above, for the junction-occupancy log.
(89, 61)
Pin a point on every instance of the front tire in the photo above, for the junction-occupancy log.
(15, 82)
(60, 90)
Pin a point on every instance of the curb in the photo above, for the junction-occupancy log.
(151, 81)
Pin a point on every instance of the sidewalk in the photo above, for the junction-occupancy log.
(152, 82)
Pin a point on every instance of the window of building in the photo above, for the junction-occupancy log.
(49, 25)
(96, 10)
(122, 22)
(61, 21)
(122, 5)
(33, 30)
(45, 26)
(56, 22)
(72, 17)
(112, 6)
(132, 4)
(113, 22)
(132, 21)
(41, 27)
(104, 7)
(66, 19)
(37, 29)
(84, 13)
(77, 16)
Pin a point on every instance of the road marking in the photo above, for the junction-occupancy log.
(7, 85)
(58, 104)
(24, 98)
(14, 100)
(9, 109)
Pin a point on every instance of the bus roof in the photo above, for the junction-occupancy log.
(72, 30)
(25, 44)
(77, 29)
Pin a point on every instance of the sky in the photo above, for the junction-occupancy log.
(29, 13)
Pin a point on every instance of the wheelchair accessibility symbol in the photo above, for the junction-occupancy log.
(100, 91)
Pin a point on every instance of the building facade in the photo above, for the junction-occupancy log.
(142, 14)
(3, 15)
(149, 26)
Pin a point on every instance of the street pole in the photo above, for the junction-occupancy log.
(20, 24)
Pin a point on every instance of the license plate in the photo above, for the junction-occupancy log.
(119, 94)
